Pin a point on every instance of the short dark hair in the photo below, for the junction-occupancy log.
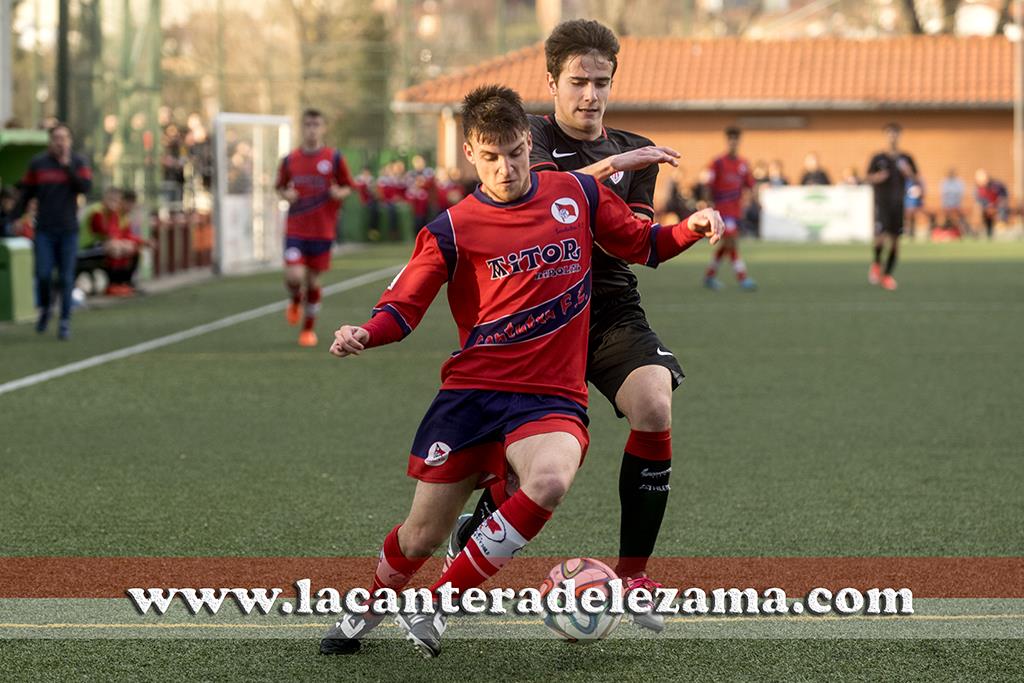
(57, 126)
(494, 114)
(733, 132)
(129, 195)
(312, 113)
(579, 37)
(892, 125)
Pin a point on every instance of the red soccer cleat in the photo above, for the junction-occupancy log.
(293, 313)
(874, 274)
(307, 338)
(889, 282)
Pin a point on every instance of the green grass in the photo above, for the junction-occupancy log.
(820, 417)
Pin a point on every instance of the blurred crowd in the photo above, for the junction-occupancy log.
(990, 206)
(426, 190)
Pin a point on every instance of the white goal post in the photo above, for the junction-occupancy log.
(248, 216)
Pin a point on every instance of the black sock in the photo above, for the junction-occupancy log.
(643, 494)
(878, 254)
(484, 508)
(891, 262)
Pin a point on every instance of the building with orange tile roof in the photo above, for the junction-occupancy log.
(953, 96)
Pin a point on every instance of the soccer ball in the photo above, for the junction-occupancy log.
(579, 625)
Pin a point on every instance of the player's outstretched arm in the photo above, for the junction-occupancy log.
(621, 233)
(633, 160)
(349, 340)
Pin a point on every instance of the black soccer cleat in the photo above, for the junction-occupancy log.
(343, 638)
(424, 631)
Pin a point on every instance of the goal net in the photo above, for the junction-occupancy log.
(249, 218)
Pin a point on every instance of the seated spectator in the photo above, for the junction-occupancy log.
(776, 178)
(993, 200)
(813, 173)
(8, 200)
(449, 190)
(913, 205)
(851, 176)
(120, 244)
(418, 196)
(951, 194)
(25, 225)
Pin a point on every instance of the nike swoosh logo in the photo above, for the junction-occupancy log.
(665, 353)
(556, 155)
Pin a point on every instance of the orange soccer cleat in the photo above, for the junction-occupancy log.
(307, 338)
(875, 274)
(293, 313)
(889, 282)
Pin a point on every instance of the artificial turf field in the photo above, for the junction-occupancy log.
(820, 418)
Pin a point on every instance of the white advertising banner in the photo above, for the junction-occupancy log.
(817, 213)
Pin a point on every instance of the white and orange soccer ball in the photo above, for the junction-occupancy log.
(579, 625)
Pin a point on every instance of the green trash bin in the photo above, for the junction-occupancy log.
(17, 298)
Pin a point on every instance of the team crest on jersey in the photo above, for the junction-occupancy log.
(324, 166)
(437, 454)
(617, 176)
(565, 210)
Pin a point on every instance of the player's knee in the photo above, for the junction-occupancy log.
(547, 489)
(654, 414)
(421, 540)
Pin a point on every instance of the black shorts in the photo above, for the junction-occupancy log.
(889, 220)
(621, 340)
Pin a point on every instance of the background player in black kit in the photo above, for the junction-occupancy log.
(889, 172)
(626, 362)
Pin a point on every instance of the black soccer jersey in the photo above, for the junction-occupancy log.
(890, 193)
(553, 150)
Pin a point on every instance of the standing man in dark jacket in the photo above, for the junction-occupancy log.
(56, 178)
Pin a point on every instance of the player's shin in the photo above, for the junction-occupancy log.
(394, 569)
(495, 542)
(643, 494)
(312, 307)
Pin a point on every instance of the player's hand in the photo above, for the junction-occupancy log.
(290, 194)
(338, 192)
(636, 159)
(708, 223)
(904, 167)
(349, 340)
(880, 176)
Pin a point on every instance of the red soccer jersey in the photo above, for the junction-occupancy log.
(519, 281)
(729, 176)
(314, 215)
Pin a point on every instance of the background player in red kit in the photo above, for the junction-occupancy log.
(516, 255)
(314, 179)
(730, 183)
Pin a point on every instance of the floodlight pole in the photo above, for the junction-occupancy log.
(6, 61)
(1018, 105)
(63, 61)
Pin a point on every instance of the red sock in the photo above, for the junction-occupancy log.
(312, 307)
(295, 291)
(738, 266)
(713, 266)
(492, 546)
(394, 569)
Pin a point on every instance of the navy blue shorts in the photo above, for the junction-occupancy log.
(314, 254)
(466, 431)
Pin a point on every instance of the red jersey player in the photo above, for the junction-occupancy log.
(516, 255)
(314, 179)
(730, 182)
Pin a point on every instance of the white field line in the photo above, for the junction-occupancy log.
(174, 338)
